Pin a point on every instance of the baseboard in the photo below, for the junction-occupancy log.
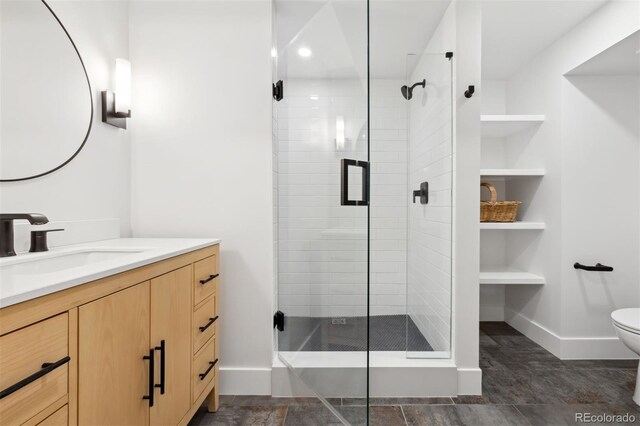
(568, 347)
(245, 381)
(469, 381)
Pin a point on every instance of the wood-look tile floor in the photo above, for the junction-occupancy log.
(522, 384)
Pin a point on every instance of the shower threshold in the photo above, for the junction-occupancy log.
(340, 374)
(329, 355)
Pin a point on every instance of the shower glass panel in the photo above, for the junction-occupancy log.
(322, 168)
(363, 154)
(430, 218)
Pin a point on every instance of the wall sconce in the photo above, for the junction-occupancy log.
(342, 141)
(116, 106)
(340, 138)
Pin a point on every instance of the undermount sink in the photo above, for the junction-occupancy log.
(56, 262)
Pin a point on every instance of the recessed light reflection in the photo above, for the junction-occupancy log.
(305, 52)
(314, 97)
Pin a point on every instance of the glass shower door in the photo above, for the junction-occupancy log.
(321, 165)
(430, 211)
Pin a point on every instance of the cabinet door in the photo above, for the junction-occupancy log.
(171, 322)
(113, 376)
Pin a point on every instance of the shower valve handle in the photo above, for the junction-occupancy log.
(423, 193)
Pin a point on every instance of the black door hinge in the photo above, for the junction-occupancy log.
(448, 55)
(278, 90)
(278, 320)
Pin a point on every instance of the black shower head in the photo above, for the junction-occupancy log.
(407, 91)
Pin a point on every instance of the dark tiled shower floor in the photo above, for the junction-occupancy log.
(387, 333)
(522, 384)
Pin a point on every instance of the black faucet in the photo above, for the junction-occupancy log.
(6, 229)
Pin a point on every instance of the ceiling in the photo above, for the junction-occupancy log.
(623, 58)
(336, 33)
(515, 31)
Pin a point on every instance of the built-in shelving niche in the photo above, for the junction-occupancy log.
(511, 173)
(513, 226)
(504, 275)
(504, 129)
(500, 126)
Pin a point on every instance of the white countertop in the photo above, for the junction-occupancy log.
(31, 275)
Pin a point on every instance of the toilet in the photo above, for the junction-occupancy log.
(627, 325)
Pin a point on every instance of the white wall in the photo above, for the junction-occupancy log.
(95, 185)
(202, 157)
(493, 245)
(561, 315)
(460, 32)
(430, 260)
(323, 245)
(466, 267)
(600, 201)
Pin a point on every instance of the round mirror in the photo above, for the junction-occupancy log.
(46, 106)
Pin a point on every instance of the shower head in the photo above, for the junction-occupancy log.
(407, 91)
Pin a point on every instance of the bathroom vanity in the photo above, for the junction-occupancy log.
(115, 332)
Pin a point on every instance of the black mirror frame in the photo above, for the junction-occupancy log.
(86, 137)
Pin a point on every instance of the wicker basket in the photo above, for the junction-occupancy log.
(497, 211)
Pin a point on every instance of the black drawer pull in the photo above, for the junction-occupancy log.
(162, 348)
(207, 325)
(211, 365)
(151, 358)
(211, 277)
(47, 367)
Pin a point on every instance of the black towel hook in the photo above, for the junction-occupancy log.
(469, 92)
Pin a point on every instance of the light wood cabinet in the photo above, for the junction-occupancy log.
(205, 278)
(58, 418)
(113, 341)
(170, 333)
(205, 320)
(29, 383)
(137, 348)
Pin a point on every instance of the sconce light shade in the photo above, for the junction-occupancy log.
(123, 86)
(116, 106)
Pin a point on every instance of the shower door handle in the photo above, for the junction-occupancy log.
(344, 182)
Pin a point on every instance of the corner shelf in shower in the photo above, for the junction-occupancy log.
(500, 126)
(512, 226)
(511, 173)
(497, 275)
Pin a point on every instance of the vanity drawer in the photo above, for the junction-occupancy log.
(59, 418)
(33, 368)
(204, 368)
(205, 320)
(205, 278)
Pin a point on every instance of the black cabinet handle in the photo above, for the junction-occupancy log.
(211, 365)
(47, 367)
(344, 182)
(150, 357)
(207, 325)
(161, 348)
(599, 267)
(211, 277)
